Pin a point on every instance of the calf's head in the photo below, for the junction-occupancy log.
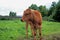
(26, 15)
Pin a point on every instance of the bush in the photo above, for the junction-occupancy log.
(3, 19)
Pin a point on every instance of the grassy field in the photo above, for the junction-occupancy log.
(15, 29)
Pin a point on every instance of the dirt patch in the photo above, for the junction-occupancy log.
(52, 37)
(47, 37)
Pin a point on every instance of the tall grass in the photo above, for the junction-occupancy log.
(14, 29)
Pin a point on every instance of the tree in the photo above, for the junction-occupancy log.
(57, 14)
(34, 6)
(52, 9)
(43, 10)
(12, 14)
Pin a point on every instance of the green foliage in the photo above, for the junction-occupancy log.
(57, 14)
(34, 6)
(4, 19)
(43, 10)
(12, 14)
(52, 9)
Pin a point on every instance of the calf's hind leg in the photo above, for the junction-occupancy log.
(40, 32)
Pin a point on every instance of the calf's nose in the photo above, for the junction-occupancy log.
(21, 20)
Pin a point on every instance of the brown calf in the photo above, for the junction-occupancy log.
(34, 18)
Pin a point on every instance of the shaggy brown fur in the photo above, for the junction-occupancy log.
(34, 18)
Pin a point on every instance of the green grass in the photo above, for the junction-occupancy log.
(14, 29)
(50, 28)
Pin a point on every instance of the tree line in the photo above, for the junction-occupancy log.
(12, 16)
(51, 14)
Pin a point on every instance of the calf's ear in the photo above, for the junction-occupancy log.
(29, 9)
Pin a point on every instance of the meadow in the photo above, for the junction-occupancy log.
(15, 29)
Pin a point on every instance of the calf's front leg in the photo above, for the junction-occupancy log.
(26, 29)
(33, 31)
